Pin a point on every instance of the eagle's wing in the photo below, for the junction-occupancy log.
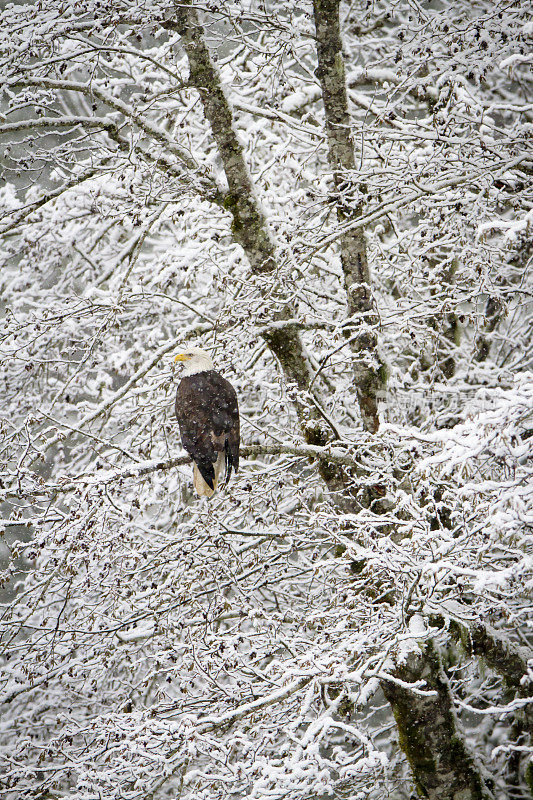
(226, 426)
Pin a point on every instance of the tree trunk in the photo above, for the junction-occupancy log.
(503, 657)
(429, 732)
(368, 368)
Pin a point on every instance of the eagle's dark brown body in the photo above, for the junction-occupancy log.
(208, 417)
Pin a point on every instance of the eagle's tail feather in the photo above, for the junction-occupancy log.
(202, 487)
(228, 461)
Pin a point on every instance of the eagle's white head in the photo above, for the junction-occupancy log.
(196, 360)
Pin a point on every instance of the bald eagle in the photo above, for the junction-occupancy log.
(208, 418)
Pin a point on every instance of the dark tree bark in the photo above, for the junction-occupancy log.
(368, 368)
(495, 307)
(493, 314)
(502, 656)
(429, 732)
(249, 225)
(446, 325)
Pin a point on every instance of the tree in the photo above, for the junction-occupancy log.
(340, 620)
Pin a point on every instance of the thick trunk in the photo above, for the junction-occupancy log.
(429, 732)
(249, 225)
(368, 374)
(501, 655)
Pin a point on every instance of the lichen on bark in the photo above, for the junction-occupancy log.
(368, 375)
(249, 225)
(429, 732)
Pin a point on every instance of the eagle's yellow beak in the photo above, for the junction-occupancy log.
(181, 357)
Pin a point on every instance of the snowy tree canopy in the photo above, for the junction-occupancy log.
(336, 203)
